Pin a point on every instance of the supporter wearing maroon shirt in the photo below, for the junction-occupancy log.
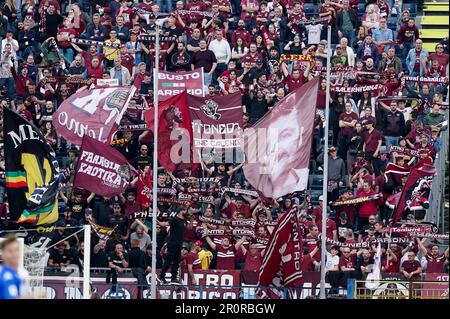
(126, 59)
(239, 206)
(406, 36)
(197, 5)
(391, 263)
(411, 267)
(435, 260)
(226, 253)
(253, 258)
(297, 79)
(347, 121)
(311, 243)
(308, 263)
(241, 32)
(295, 19)
(372, 145)
(127, 13)
(249, 10)
(193, 262)
(439, 55)
(224, 7)
(22, 81)
(366, 208)
(65, 33)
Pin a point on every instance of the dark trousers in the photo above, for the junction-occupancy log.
(172, 260)
(376, 162)
(221, 67)
(339, 279)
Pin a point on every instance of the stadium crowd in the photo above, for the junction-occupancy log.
(239, 45)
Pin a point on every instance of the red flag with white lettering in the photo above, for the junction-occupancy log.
(95, 112)
(101, 169)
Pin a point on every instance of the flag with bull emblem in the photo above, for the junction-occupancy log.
(95, 112)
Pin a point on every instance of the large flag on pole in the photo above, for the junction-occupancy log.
(174, 125)
(416, 190)
(101, 169)
(32, 172)
(281, 269)
(94, 112)
(278, 147)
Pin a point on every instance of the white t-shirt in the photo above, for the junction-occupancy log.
(331, 262)
(314, 33)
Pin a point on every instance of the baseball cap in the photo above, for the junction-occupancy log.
(185, 246)
(359, 154)
(338, 46)
(343, 215)
(321, 198)
(324, 42)
(369, 121)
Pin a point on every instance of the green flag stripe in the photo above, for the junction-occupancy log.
(16, 174)
(42, 210)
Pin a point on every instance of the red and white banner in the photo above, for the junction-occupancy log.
(436, 289)
(417, 188)
(94, 112)
(216, 121)
(173, 83)
(278, 147)
(101, 169)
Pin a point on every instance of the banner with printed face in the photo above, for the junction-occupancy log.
(216, 121)
(101, 169)
(94, 112)
(173, 83)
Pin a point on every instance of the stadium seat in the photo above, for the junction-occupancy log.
(411, 7)
(361, 9)
(392, 23)
(309, 9)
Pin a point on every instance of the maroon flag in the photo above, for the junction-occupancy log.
(278, 147)
(216, 121)
(101, 169)
(93, 112)
(281, 269)
(174, 124)
(415, 191)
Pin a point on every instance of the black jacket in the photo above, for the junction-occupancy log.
(393, 124)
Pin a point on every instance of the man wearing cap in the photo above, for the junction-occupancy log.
(342, 225)
(174, 245)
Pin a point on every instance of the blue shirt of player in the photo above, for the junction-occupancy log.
(10, 283)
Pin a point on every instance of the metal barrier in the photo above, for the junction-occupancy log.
(436, 211)
(394, 289)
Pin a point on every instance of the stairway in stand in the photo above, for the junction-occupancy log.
(434, 23)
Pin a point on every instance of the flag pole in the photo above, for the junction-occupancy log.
(325, 173)
(155, 162)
